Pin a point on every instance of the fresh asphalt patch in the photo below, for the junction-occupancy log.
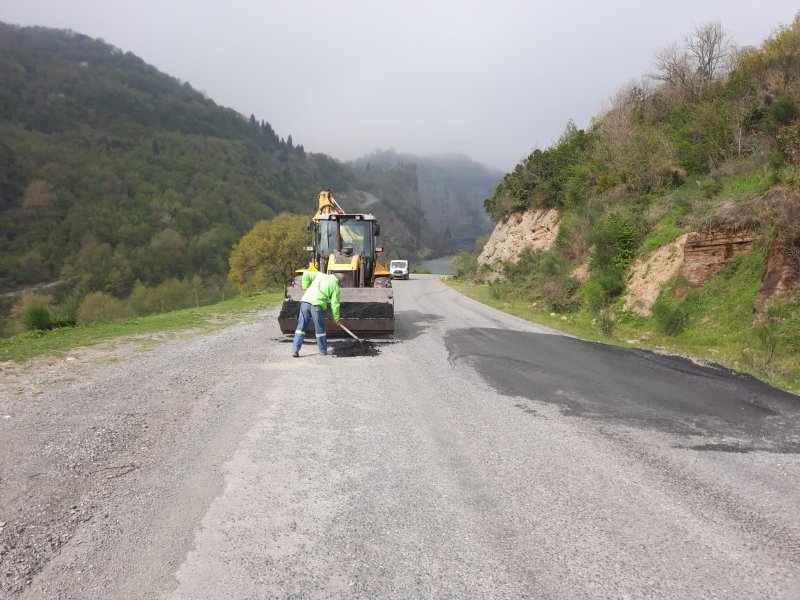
(346, 348)
(635, 387)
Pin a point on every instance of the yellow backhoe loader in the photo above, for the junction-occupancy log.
(346, 243)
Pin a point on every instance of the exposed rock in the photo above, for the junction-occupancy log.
(781, 273)
(649, 273)
(535, 229)
(705, 253)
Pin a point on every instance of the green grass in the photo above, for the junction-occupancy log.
(745, 185)
(37, 343)
(665, 232)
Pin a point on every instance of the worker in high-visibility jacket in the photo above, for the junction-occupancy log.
(321, 289)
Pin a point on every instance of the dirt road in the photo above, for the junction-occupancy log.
(475, 455)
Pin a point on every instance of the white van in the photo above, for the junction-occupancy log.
(399, 269)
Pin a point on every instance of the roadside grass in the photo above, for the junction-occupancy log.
(720, 327)
(205, 318)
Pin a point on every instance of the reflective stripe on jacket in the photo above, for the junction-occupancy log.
(321, 289)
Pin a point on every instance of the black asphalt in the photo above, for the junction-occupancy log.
(735, 412)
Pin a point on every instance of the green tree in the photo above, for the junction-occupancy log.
(269, 253)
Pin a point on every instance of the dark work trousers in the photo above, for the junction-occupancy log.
(309, 312)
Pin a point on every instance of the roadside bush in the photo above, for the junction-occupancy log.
(558, 292)
(100, 307)
(22, 302)
(767, 333)
(465, 264)
(37, 317)
(169, 295)
(65, 313)
(671, 315)
(593, 294)
(499, 291)
(527, 263)
(615, 238)
(607, 321)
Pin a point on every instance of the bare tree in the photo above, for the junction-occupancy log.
(674, 67)
(702, 56)
(711, 51)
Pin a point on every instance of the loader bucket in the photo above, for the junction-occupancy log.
(367, 312)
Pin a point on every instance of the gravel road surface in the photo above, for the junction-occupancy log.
(474, 455)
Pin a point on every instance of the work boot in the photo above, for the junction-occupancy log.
(295, 354)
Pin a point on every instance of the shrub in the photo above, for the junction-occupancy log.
(37, 317)
(169, 295)
(66, 313)
(594, 295)
(615, 238)
(465, 264)
(711, 186)
(99, 306)
(558, 292)
(607, 321)
(499, 290)
(767, 333)
(26, 299)
(671, 315)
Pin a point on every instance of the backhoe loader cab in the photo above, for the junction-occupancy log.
(347, 244)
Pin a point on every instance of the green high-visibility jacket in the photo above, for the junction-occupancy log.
(321, 289)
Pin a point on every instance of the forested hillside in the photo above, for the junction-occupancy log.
(112, 172)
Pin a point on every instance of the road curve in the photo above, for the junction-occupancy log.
(474, 456)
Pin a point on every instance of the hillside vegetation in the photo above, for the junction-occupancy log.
(709, 142)
(114, 173)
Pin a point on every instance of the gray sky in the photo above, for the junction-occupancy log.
(492, 79)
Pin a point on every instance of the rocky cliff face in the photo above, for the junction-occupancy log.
(535, 229)
(451, 194)
(706, 253)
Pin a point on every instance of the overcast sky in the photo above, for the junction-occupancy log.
(492, 79)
